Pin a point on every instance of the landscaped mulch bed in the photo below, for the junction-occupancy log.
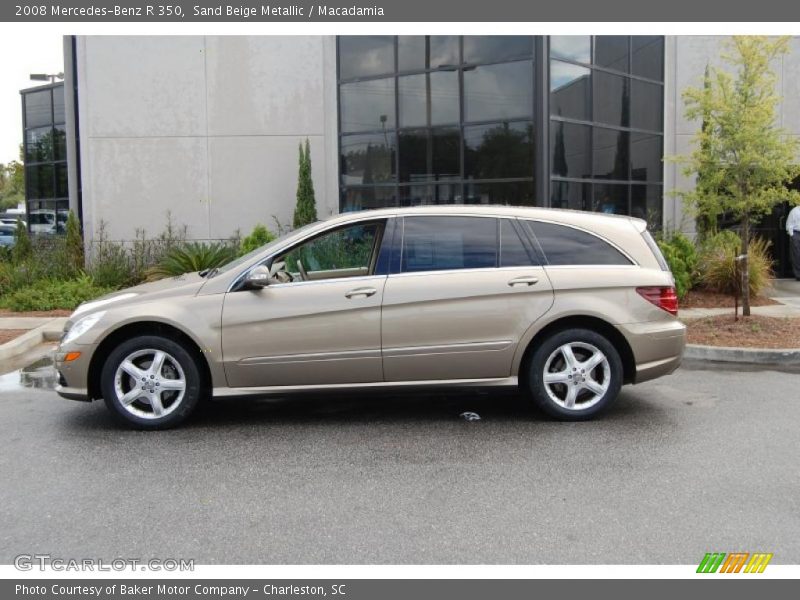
(705, 299)
(754, 331)
(6, 335)
(4, 312)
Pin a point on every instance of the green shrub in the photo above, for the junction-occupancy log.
(260, 236)
(47, 294)
(682, 258)
(193, 256)
(73, 243)
(719, 269)
(22, 243)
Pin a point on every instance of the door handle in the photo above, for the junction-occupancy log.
(524, 280)
(363, 291)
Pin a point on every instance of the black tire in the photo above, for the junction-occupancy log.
(174, 415)
(594, 403)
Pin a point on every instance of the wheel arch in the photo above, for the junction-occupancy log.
(131, 330)
(592, 323)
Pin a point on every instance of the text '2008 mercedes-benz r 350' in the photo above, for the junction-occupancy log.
(567, 305)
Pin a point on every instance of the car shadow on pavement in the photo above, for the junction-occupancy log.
(402, 409)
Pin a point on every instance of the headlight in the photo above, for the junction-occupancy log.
(82, 326)
(86, 306)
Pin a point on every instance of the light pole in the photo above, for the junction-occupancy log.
(51, 77)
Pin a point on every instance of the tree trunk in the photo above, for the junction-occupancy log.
(744, 265)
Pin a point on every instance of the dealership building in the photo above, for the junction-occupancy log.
(208, 128)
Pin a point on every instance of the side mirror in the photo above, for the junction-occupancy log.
(257, 278)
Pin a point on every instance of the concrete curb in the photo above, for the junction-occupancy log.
(49, 332)
(786, 357)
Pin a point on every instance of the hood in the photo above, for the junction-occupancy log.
(187, 284)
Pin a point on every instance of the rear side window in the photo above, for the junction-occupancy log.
(513, 252)
(569, 246)
(441, 243)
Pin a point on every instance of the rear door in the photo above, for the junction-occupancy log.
(464, 290)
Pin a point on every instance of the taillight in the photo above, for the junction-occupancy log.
(664, 298)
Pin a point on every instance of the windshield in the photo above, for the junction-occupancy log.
(252, 254)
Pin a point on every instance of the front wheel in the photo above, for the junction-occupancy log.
(575, 374)
(151, 382)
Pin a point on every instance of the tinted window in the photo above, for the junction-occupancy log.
(570, 90)
(494, 48)
(367, 105)
(647, 101)
(439, 243)
(498, 151)
(365, 55)
(428, 99)
(361, 198)
(564, 245)
(611, 101)
(611, 198)
(518, 193)
(512, 250)
(610, 153)
(38, 107)
(571, 194)
(570, 148)
(498, 91)
(647, 58)
(572, 47)
(611, 51)
(646, 152)
(368, 158)
(429, 154)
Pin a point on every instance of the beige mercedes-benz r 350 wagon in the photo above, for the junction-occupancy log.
(567, 305)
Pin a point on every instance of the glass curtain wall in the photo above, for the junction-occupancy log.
(454, 119)
(45, 154)
(436, 120)
(606, 107)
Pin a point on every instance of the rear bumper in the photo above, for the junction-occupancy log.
(657, 347)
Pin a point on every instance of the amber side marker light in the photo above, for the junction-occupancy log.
(70, 356)
(664, 298)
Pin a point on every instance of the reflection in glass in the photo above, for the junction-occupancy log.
(437, 243)
(570, 91)
(368, 197)
(367, 158)
(571, 194)
(611, 101)
(411, 52)
(570, 149)
(647, 105)
(38, 109)
(429, 154)
(443, 50)
(60, 142)
(647, 56)
(498, 151)
(367, 105)
(498, 91)
(58, 105)
(365, 55)
(39, 181)
(646, 153)
(518, 193)
(39, 144)
(437, 91)
(572, 47)
(611, 51)
(610, 153)
(610, 199)
(496, 48)
(422, 195)
(62, 189)
(647, 203)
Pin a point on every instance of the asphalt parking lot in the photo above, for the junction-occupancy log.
(703, 460)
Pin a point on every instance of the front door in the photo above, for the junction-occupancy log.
(320, 325)
(467, 290)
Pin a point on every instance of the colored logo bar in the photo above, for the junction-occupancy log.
(734, 562)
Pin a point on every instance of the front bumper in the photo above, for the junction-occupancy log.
(73, 376)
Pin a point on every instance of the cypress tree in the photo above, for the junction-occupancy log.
(305, 211)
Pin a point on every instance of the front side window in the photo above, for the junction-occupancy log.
(564, 245)
(344, 252)
(444, 243)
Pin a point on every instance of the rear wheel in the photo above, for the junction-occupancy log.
(151, 382)
(575, 374)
